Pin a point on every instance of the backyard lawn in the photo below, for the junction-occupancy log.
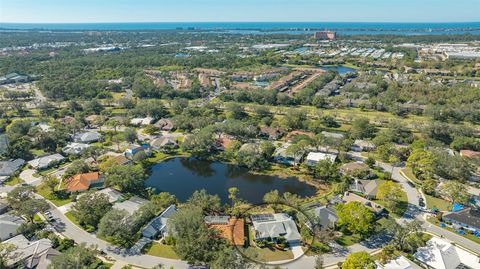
(47, 194)
(440, 204)
(13, 181)
(161, 250)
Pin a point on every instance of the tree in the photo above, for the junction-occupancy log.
(196, 243)
(130, 135)
(326, 170)
(30, 207)
(127, 178)
(76, 257)
(361, 128)
(77, 167)
(355, 217)
(7, 253)
(230, 258)
(200, 144)
(387, 254)
(370, 162)
(359, 260)
(406, 237)
(163, 200)
(267, 149)
(389, 192)
(233, 195)
(319, 262)
(272, 197)
(429, 186)
(422, 163)
(455, 191)
(116, 226)
(90, 208)
(206, 202)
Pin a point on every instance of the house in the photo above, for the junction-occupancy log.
(323, 216)
(367, 188)
(94, 120)
(469, 153)
(26, 249)
(398, 263)
(130, 152)
(270, 133)
(112, 194)
(158, 226)
(4, 207)
(363, 145)
(75, 148)
(314, 157)
(467, 218)
(83, 182)
(272, 226)
(352, 197)
(14, 78)
(440, 254)
(141, 121)
(46, 161)
(9, 225)
(42, 260)
(3, 144)
(165, 125)
(223, 143)
(9, 168)
(67, 120)
(281, 156)
(356, 169)
(131, 205)
(87, 137)
(232, 229)
(121, 160)
(164, 142)
(333, 135)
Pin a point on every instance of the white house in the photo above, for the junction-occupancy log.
(399, 263)
(142, 121)
(314, 157)
(87, 137)
(440, 254)
(75, 148)
(45, 161)
(273, 226)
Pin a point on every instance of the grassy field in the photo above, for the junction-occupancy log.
(161, 250)
(469, 236)
(440, 204)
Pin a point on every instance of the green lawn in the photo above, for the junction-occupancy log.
(13, 181)
(47, 194)
(161, 250)
(269, 255)
(440, 204)
(72, 218)
(469, 236)
(409, 174)
(348, 240)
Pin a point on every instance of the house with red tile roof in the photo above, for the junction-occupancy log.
(83, 182)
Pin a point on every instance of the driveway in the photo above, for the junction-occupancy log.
(28, 177)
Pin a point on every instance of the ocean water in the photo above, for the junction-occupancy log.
(347, 28)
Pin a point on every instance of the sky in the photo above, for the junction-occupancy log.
(78, 11)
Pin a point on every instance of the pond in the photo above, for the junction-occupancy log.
(183, 176)
(339, 68)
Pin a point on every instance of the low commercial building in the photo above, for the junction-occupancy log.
(275, 226)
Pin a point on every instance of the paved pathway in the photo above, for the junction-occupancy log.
(27, 175)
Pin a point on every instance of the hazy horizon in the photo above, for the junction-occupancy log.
(191, 11)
